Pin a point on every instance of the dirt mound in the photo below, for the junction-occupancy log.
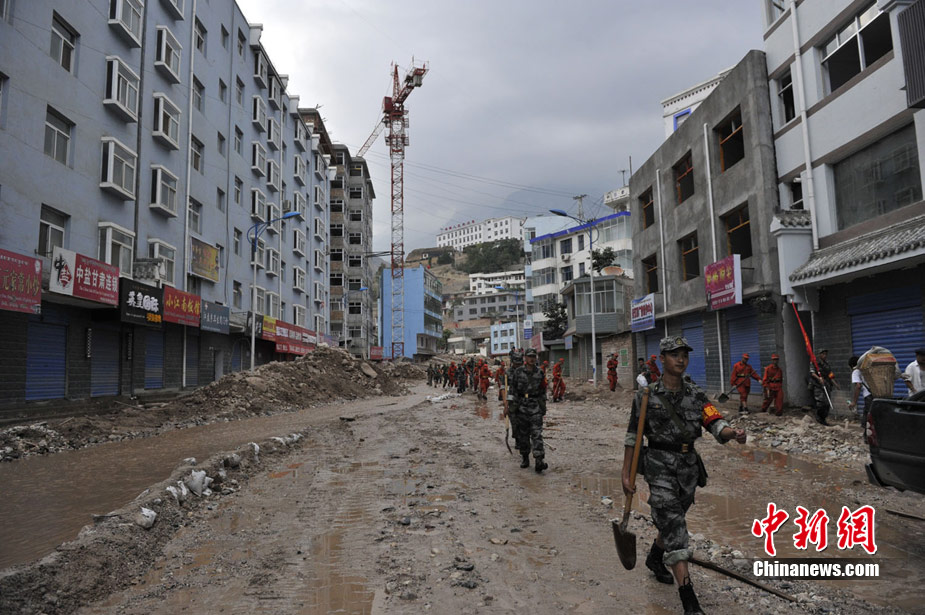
(320, 377)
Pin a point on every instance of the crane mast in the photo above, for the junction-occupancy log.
(395, 119)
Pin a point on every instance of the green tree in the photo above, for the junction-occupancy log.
(556, 320)
(446, 339)
(603, 258)
(493, 256)
(445, 259)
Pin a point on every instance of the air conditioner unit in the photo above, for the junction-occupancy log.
(287, 206)
(566, 258)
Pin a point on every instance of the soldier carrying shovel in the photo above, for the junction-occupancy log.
(678, 410)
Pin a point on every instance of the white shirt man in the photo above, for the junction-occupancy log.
(915, 372)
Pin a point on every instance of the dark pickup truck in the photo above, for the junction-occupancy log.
(896, 435)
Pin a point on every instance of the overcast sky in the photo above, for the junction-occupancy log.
(527, 102)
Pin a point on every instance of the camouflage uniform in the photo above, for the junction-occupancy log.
(528, 390)
(672, 474)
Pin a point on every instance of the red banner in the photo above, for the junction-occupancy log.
(375, 353)
(723, 280)
(293, 339)
(181, 307)
(80, 276)
(20, 283)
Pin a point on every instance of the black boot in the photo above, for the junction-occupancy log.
(525, 460)
(689, 600)
(656, 565)
(540, 465)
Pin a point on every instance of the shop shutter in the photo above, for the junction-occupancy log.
(652, 341)
(46, 361)
(692, 329)
(192, 360)
(154, 359)
(742, 327)
(236, 357)
(104, 362)
(891, 319)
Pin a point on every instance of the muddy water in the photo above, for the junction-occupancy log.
(728, 519)
(46, 500)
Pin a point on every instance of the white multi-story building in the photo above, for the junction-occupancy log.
(469, 233)
(484, 283)
(677, 108)
(503, 338)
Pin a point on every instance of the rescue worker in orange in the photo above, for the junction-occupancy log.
(612, 371)
(773, 386)
(477, 379)
(499, 379)
(484, 380)
(741, 372)
(654, 372)
(558, 384)
(452, 373)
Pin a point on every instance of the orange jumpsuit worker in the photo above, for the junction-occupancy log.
(612, 364)
(741, 372)
(453, 374)
(499, 380)
(654, 372)
(484, 380)
(558, 384)
(773, 385)
(476, 379)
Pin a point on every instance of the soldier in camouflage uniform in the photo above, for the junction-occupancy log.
(528, 388)
(671, 463)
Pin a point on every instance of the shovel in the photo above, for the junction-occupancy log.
(724, 397)
(507, 421)
(624, 539)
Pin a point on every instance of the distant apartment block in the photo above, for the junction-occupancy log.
(484, 283)
(472, 232)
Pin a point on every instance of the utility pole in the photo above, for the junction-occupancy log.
(580, 198)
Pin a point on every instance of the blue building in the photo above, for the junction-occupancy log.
(423, 325)
(145, 137)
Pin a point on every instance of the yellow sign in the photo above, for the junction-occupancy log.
(203, 260)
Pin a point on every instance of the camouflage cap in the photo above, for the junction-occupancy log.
(530, 353)
(673, 343)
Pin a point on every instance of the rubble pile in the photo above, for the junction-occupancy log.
(841, 442)
(320, 377)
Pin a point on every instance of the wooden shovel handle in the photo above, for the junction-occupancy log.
(636, 448)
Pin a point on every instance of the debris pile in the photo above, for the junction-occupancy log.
(320, 377)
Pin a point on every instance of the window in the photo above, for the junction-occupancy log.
(861, 42)
(298, 279)
(238, 141)
(354, 239)
(117, 246)
(197, 151)
(167, 56)
(194, 216)
(581, 243)
(581, 269)
(337, 230)
(121, 89)
(565, 246)
(163, 190)
(225, 37)
(57, 136)
(650, 265)
(258, 253)
(354, 284)
(356, 192)
(690, 257)
(337, 279)
(273, 262)
(774, 9)
(566, 274)
(199, 92)
(647, 204)
(261, 307)
(168, 255)
(260, 69)
(242, 43)
(354, 307)
(337, 255)
(298, 171)
(319, 260)
(319, 228)
(354, 260)
(222, 144)
(273, 175)
(237, 294)
(63, 43)
(785, 97)
(238, 236)
(118, 168)
(298, 241)
(298, 315)
(220, 199)
(738, 232)
(684, 178)
(126, 17)
(175, 7)
(52, 224)
(337, 206)
(238, 189)
(166, 121)
(200, 37)
(258, 205)
(796, 193)
(731, 141)
(239, 91)
(878, 179)
(319, 197)
(259, 114)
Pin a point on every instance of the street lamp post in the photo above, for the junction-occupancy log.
(516, 314)
(345, 305)
(560, 212)
(257, 229)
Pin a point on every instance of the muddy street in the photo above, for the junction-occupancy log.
(417, 506)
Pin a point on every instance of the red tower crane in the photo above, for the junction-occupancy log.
(395, 118)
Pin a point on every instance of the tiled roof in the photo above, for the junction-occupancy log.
(867, 249)
(794, 218)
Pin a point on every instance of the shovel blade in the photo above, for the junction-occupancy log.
(626, 544)
(722, 398)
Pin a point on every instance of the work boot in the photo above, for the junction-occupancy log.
(541, 465)
(656, 565)
(689, 600)
(525, 460)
